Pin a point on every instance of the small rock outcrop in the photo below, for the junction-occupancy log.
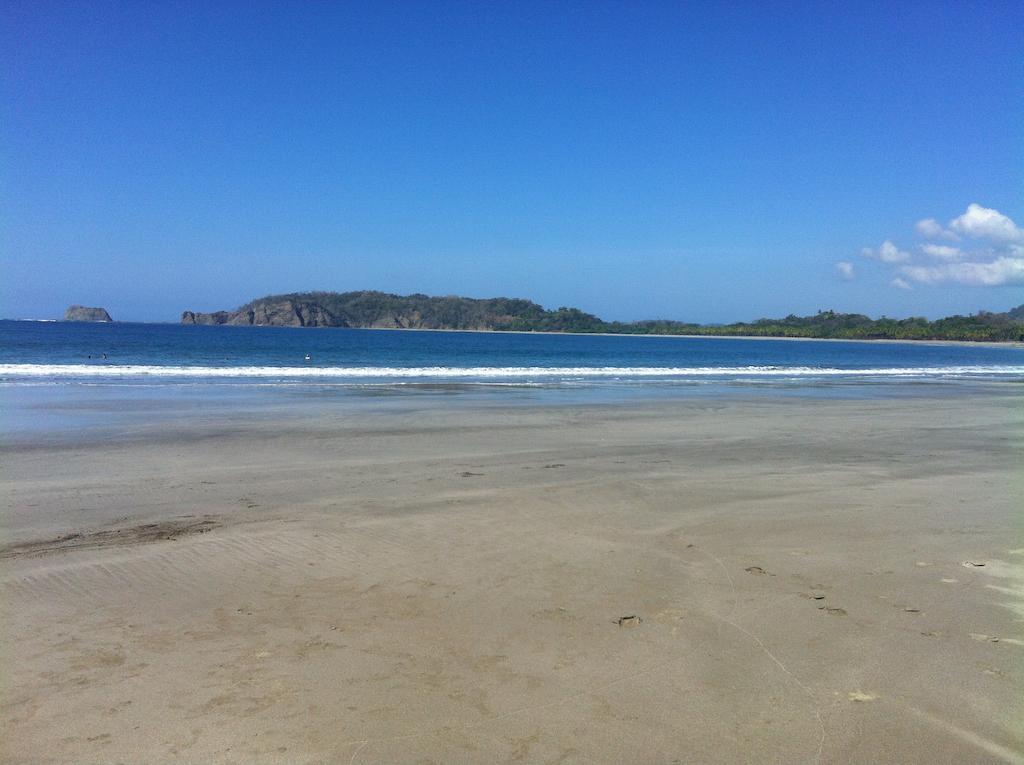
(217, 317)
(85, 313)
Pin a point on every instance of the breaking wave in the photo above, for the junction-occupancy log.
(12, 372)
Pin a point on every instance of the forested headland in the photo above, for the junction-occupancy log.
(383, 310)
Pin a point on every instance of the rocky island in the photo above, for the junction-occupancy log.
(381, 310)
(85, 313)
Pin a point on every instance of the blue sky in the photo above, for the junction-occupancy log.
(700, 161)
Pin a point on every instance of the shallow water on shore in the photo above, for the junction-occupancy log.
(102, 409)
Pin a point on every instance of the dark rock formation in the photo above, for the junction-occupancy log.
(217, 317)
(84, 313)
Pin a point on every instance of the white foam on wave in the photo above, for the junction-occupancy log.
(21, 371)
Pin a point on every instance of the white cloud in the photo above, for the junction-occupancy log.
(930, 228)
(989, 253)
(887, 252)
(846, 272)
(984, 223)
(1002, 270)
(941, 251)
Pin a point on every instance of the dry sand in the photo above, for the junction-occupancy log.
(446, 585)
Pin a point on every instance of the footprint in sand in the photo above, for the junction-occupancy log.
(832, 610)
(984, 638)
(757, 570)
(860, 696)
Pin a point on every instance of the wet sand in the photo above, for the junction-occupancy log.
(812, 581)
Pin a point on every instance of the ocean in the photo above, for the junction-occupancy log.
(71, 379)
(69, 353)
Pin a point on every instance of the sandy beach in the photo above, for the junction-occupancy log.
(712, 580)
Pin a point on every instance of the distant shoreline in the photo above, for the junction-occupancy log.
(973, 343)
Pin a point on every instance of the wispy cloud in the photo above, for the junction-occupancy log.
(942, 251)
(887, 252)
(846, 271)
(930, 228)
(990, 252)
(999, 271)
